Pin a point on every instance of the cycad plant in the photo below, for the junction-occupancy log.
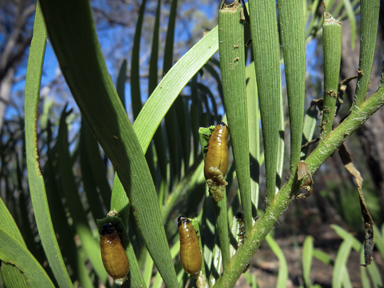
(158, 164)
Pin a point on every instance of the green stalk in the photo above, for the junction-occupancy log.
(135, 65)
(254, 135)
(170, 117)
(324, 150)
(158, 138)
(232, 66)
(184, 130)
(332, 58)
(196, 115)
(291, 19)
(220, 210)
(120, 83)
(266, 50)
(35, 179)
(369, 21)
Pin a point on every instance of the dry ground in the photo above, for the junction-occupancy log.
(265, 264)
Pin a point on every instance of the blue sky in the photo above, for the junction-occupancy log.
(106, 39)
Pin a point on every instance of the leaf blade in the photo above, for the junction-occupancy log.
(35, 179)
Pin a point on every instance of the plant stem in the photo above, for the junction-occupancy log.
(291, 20)
(332, 58)
(325, 149)
(254, 135)
(220, 210)
(232, 66)
(369, 22)
(266, 50)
